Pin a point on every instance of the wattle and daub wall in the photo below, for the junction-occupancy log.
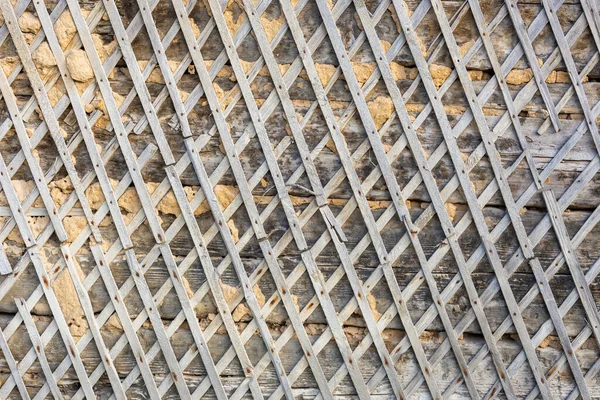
(290, 199)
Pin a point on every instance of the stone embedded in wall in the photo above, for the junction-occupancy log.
(79, 66)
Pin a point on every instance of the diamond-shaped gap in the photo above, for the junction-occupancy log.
(469, 239)
(458, 212)
(548, 249)
(459, 304)
(325, 155)
(581, 181)
(533, 309)
(394, 229)
(121, 273)
(518, 173)
(399, 347)
(481, 176)
(507, 243)
(482, 274)
(486, 368)
(277, 222)
(446, 366)
(288, 157)
(10, 147)
(55, 349)
(518, 378)
(259, 79)
(312, 222)
(495, 308)
(300, 88)
(467, 141)
(532, 214)
(587, 354)
(13, 245)
(576, 317)
(410, 371)
(252, 155)
(358, 243)
(432, 236)
(584, 59)
(406, 175)
(102, 215)
(585, 247)
(237, 220)
(24, 186)
(444, 170)
(414, 282)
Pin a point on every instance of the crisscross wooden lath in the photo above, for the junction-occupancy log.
(299, 199)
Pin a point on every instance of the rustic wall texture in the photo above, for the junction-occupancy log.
(299, 199)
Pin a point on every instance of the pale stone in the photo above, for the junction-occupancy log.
(272, 26)
(69, 302)
(363, 70)
(325, 72)
(74, 225)
(381, 109)
(79, 66)
(65, 29)
(519, 76)
(29, 23)
(235, 233)
(439, 73)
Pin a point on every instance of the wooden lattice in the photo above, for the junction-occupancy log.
(314, 199)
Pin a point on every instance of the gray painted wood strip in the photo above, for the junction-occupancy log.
(87, 308)
(120, 309)
(34, 167)
(465, 184)
(267, 251)
(389, 212)
(46, 108)
(63, 327)
(210, 272)
(14, 367)
(115, 117)
(310, 169)
(565, 51)
(52, 328)
(522, 236)
(84, 125)
(37, 344)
